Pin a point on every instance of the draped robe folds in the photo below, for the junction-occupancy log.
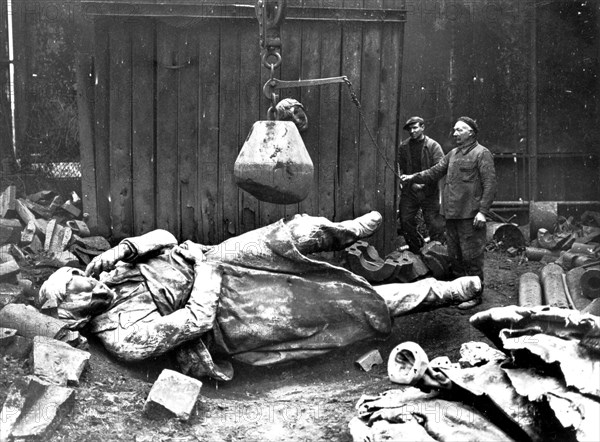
(275, 304)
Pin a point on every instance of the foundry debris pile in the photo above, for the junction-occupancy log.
(401, 265)
(541, 383)
(57, 359)
(38, 234)
(571, 275)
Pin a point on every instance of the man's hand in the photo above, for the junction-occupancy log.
(479, 220)
(192, 252)
(406, 178)
(106, 261)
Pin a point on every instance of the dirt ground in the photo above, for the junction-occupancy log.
(303, 401)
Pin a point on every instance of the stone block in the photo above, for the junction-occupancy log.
(58, 362)
(6, 337)
(172, 395)
(65, 258)
(29, 322)
(57, 237)
(41, 196)
(7, 201)
(10, 231)
(9, 269)
(13, 250)
(42, 410)
(71, 209)
(28, 233)
(12, 408)
(93, 242)
(25, 214)
(56, 202)
(13, 345)
(36, 208)
(36, 246)
(9, 293)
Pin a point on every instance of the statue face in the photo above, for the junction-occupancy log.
(289, 109)
(75, 295)
(86, 295)
(299, 118)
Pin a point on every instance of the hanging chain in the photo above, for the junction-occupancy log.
(270, 15)
(356, 102)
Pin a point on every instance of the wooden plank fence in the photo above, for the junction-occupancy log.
(173, 98)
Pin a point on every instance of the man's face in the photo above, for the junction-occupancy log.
(462, 132)
(416, 130)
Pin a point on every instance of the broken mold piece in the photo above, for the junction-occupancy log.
(369, 360)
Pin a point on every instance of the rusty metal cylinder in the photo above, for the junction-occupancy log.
(590, 283)
(573, 280)
(553, 287)
(593, 307)
(538, 254)
(585, 249)
(571, 260)
(530, 290)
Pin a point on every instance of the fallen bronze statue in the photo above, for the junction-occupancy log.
(258, 298)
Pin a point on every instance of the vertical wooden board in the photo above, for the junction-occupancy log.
(142, 120)
(291, 37)
(167, 193)
(331, 38)
(101, 127)
(349, 121)
(229, 128)
(120, 130)
(369, 97)
(250, 97)
(208, 133)
(427, 88)
(6, 149)
(187, 132)
(311, 68)
(21, 61)
(85, 109)
(391, 63)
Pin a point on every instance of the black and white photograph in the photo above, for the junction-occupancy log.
(299, 220)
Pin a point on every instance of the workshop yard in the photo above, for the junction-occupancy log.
(301, 401)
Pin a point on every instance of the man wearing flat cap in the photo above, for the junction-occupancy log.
(417, 153)
(467, 197)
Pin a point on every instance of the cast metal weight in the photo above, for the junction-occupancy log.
(273, 164)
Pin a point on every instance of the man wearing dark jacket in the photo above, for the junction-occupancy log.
(417, 153)
(467, 197)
